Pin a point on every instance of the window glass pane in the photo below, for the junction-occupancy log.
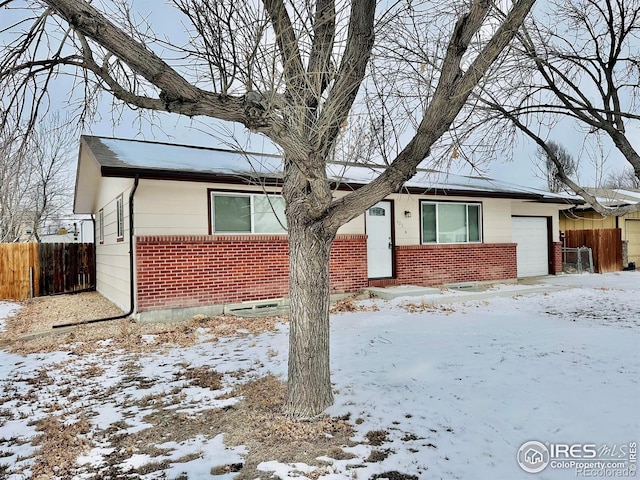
(101, 225)
(268, 214)
(474, 223)
(452, 223)
(231, 214)
(428, 223)
(119, 218)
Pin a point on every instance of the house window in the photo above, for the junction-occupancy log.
(449, 222)
(101, 226)
(120, 218)
(247, 213)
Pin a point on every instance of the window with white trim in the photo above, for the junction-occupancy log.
(101, 226)
(247, 213)
(120, 218)
(449, 222)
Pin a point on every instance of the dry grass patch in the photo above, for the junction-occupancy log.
(258, 423)
(31, 330)
(202, 377)
(349, 304)
(41, 379)
(394, 475)
(427, 307)
(167, 425)
(42, 313)
(378, 455)
(225, 469)
(377, 437)
(116, 335)
(230, 325)
(60, 444)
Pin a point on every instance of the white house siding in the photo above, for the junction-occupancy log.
(496, 224)
(164, 207)
(112, 256)
(85, 191)
(407, 230)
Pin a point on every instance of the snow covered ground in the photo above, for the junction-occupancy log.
(6, 309)
(457, 389)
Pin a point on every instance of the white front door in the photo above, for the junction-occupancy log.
(379, 242)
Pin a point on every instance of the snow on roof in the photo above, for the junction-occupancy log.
(614, 197)
(135, 155)
(437, 180)
(168, 157)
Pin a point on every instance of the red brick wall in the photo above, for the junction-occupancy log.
(348, 264)
(556, 262)
(190, 271)
(428, 265)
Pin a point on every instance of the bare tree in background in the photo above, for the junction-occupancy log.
(562, 155)
(13, 171)
(624, 179)
(36, 178)
(289, 70)
(50, 194)
(577, 63)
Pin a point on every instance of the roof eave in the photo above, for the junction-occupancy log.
(189, 176)
(277, 180)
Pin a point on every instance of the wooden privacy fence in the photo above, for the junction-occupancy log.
(16, 263)
(37, 269)
(605, 244)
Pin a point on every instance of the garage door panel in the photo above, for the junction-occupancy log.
(531, 235)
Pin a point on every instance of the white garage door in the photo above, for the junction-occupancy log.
(530, 233)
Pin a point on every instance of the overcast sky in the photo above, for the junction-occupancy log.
(520, 168)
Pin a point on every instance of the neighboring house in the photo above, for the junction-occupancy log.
(60, 237)
(583, 217)
(24, 231)
(26, 234)
(77, 231)
(184, 229)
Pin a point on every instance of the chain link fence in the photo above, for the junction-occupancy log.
(577, 260)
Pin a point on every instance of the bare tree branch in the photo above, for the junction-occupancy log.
(583, 68)
(454, 88)
(288, 46)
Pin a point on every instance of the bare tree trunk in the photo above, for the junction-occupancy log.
(309, 384)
